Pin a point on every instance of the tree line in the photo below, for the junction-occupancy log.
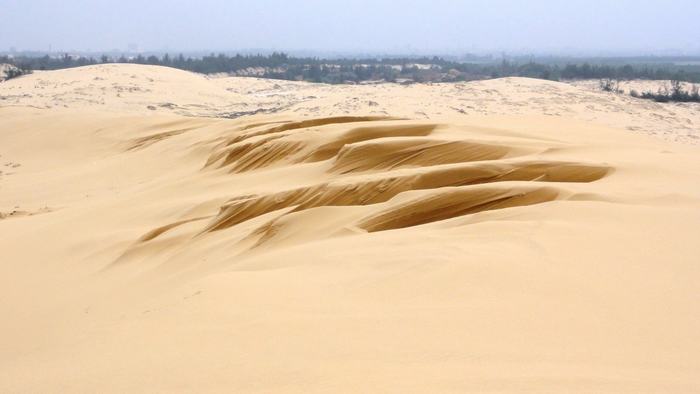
(279, 65)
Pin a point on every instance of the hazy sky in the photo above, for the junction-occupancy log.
(428, 26)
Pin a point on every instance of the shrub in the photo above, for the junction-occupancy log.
(609, 85)
(15, 72)
(676, 94)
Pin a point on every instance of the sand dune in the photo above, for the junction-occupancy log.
(154, 90)
(518, 243)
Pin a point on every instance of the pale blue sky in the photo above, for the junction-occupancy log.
(435, 26)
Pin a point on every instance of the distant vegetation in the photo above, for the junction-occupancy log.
(675, 93)
(406, 70)
(610, 85)
(13, 71)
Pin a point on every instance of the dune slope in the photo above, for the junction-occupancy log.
(147, 251)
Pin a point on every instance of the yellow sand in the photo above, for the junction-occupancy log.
(345, 238)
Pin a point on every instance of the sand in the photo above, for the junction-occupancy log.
(500, 236)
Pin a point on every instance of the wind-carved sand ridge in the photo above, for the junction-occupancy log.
(399, 172)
